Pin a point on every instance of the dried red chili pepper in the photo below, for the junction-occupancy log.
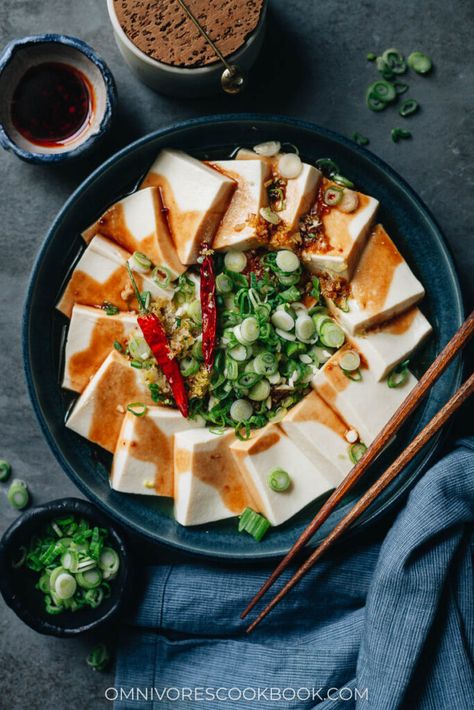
(157, 341)
(208, 307)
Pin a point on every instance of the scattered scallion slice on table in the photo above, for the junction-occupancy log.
(349, 361)
(360, 139)
(356, 451)
(408, 107)
(420, 62)
(399, 375)
(395, 61)
(99, 658)
(140, 262)
(18, 495)
(399, 134)
(5, 470)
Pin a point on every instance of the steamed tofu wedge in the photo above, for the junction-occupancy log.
(271, 448)
(386, 346)
(367, 404)
(346, 234)
(300, 195)
(238, 229)
(320, 435)
(208, 485)
(90, 338)
(383, 286)
(143, 460)
(138, 223)
(100, 277)
(99, 411)
(195, 196)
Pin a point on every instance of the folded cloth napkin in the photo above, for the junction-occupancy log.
(379, 623)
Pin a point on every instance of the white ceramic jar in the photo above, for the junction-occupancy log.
(183, 81)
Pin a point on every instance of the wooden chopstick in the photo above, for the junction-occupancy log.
(374, 491)
(455, 345)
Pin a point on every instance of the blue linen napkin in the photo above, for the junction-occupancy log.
(379, 623)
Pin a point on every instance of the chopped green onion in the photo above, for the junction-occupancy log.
(420, 62)
(250, 329)
(374, 103)
(94, 597)
(395, 61)
(269, 215)
(399, 375)
(241, 410)
(118, 346)
(287, 261)
(383, 68)
(279, 480)
(400, 87)
(223, 284)
(360, 139)
(20, 560)
(356, 451)
(253, 523)
(65, 586)
(249, 379)
(51, 607)
(341, 180)
(99, 658)
(109, 562)
(136, 364)
(5, 470)
(259, 391)
(282, 320)
(354, 375)
(304, 327)
(267, 149)
(196, 350)
(89, 579)
(161, 276)
(383, 91)
(18, 495)
(265, 364)
(240, 353)
(231, 370)
(332, 196)
(146, 299)
(141, 262)
(137, 408)
(195, 311)
(139, 348)
(321, 354)
(235, 261)
(398, 133)
(371, 57)
(349, 361)
(331, 335)
(327, 166)
(408, 107)
(110, 309)
(188, 366)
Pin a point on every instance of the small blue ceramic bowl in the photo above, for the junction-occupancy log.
(22, 54)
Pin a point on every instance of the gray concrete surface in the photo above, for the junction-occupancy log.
(313, 66)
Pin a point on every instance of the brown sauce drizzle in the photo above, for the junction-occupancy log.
(85, 363)
(218, 469)
(314, 407)
(153, 446)
(117, 387)
(87, 291)
(264, 442)
(400, 324)
(374, 274)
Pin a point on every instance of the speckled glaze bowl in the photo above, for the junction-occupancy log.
(22, 54)
(18, 585)
(191, 82)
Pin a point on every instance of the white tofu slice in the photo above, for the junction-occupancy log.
(299, 196)
(90, 338)
(387, 345)
(138, 223)
(100, 276)
(208, 484)
(247, 154)
(346, 234)
(195, 196)
(383, 285)
(271, 448)
(367, 404)
(99, 411)
(320, 435)
(143, 460)
(238, 229)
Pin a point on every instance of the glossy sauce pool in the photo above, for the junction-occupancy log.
(52, 103)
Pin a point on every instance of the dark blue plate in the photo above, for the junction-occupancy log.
(402, 213)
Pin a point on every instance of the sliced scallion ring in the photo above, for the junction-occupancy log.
(282, 320)
(235, 261)
(287, 261)
(139, 348)
(354, 375)
(223, 284)
(327, 166)
(267, 149)
(260, 391)
(161, 276)
(89, 579)
(239, 353)
(395, 61)
(341, 180)
(141, 262)
(265, 364)
(188, 366)
(18, 495)
(5, 470)
(420, 62)
(399, 133)
(250, 329)
(408, 107)
(241, 410)
(356, 451)
(360, 139)
(249, 379)
(279, 480)
(304, 327)
(253, 523)
(332, 335)
(374, 103)
(332, 196)
(65, 586)
(109, 562)
(399, 375)
(195, 311)
(137, 408)
(349, 361)
(349, 202)
(400, 87)
(269, 215)
(383, 91)
(290, 165)
(196, 350)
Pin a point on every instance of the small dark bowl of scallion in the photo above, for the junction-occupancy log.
(64, 569)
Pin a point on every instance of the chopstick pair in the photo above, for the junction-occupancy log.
(455, 345)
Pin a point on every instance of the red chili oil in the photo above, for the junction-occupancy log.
(52, 103)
